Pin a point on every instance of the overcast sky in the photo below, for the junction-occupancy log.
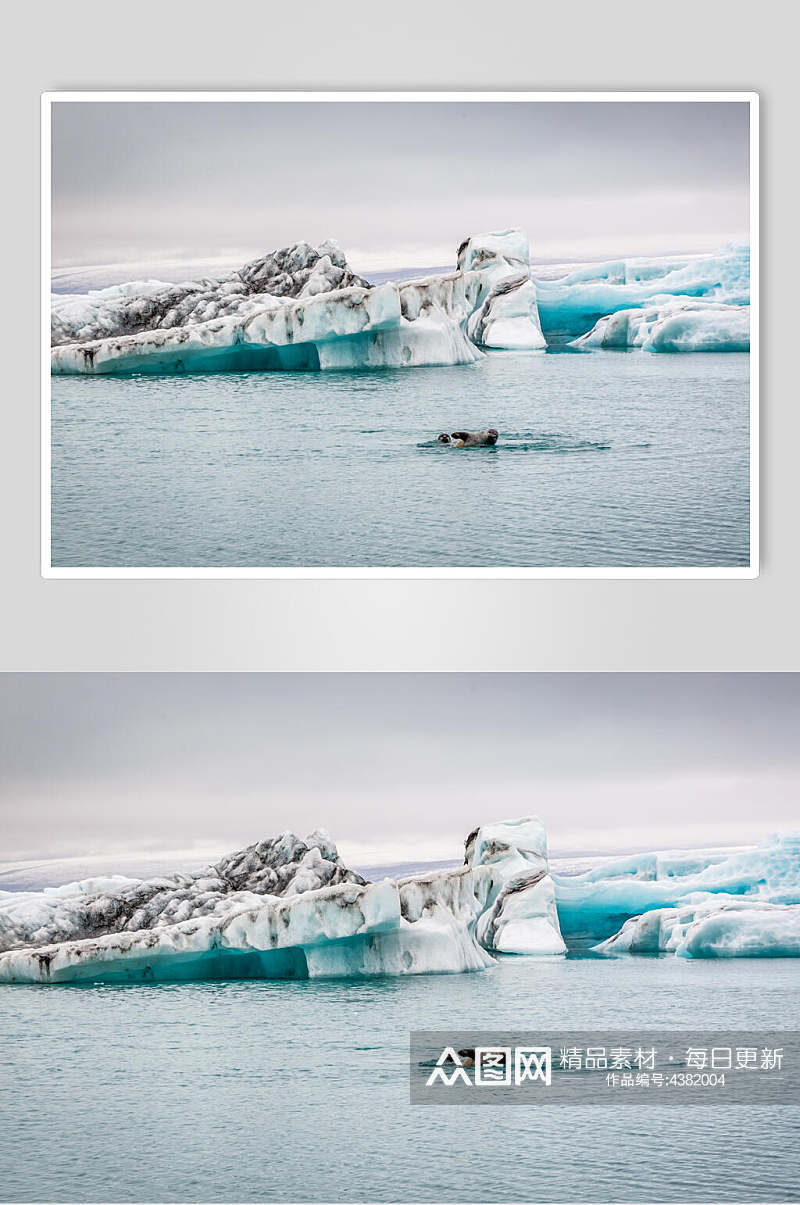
(395, 183)
(395, 766)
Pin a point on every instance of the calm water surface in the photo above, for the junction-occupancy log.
(610, 459)
(299, 1091)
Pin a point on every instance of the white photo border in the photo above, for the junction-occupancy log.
(680, 572)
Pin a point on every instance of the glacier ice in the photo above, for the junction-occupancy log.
(514, 888)
(284, 908)
(573, 302)
(509, 317)
(716, 926)
(292, 272)
(288, 908)
(280, 866)
(673, 325)
(699, 903)
(302, 308)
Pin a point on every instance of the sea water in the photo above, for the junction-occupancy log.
(605, 459)
(299, 1091)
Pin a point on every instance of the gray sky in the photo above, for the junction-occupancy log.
(396, 183)
(395, 766)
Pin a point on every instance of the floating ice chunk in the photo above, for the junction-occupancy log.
(770, 930)
(514, 888)
(720, 926)
(600, 901)
(722, 328)
(303, 309)
(264, 912)
(572, 303)
(673, 325)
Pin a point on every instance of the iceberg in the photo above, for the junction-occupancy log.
(281, 866)
(722, 926)
(672, 325)
(578, 301)
(303, 308)
(700, 903)
(514, 888)
(289, 908)
(349, 930)
(284, 908)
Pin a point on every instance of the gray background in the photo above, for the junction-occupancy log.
(352, 624)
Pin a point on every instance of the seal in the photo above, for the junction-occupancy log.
(470, 439)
